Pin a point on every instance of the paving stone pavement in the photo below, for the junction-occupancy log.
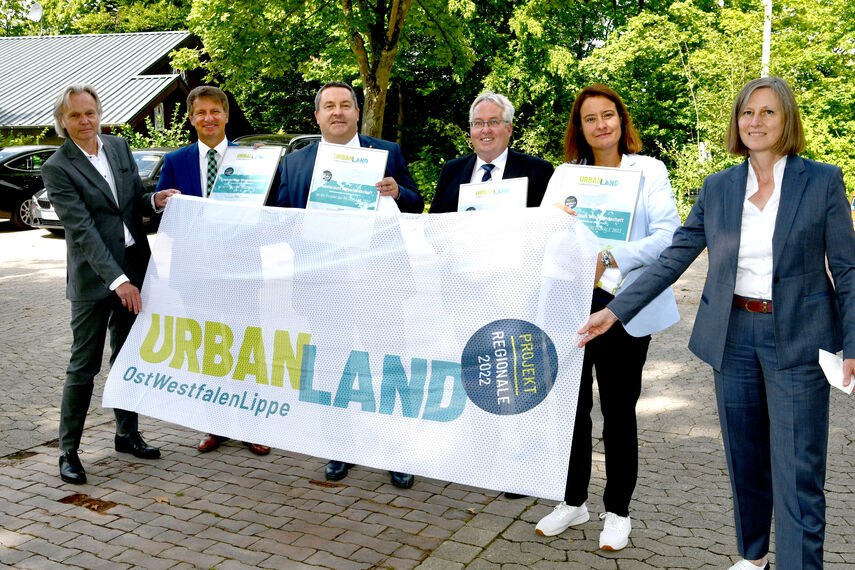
(230, 509)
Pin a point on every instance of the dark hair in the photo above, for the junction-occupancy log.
(792, 139)
(210, 92)
(341, 84)
(576, 148)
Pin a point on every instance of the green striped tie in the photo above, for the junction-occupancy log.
(212, 169)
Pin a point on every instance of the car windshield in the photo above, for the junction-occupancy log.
(4, 154)
(146, 162)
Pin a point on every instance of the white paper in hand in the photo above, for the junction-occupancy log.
(832, 366)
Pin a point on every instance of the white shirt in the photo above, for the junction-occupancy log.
(498, 171)
(354, 142)
(754, 264)
(102, 165)
(203, 161)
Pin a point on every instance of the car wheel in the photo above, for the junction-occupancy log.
(22, 218)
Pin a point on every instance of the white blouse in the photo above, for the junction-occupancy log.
(754, 264)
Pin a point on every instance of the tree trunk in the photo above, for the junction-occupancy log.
(375, 59)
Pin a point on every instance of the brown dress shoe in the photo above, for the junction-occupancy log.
(210, 442)
(257, 448)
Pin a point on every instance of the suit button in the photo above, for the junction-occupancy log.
(775, 280)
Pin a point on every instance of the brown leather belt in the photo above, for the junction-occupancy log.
(752, 305)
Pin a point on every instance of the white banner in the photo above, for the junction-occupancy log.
(446, 349)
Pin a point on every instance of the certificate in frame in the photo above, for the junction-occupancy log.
(345, 177)
(506, 194)
(245, 174)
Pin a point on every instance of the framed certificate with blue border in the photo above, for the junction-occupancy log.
(346, 177)
(506, 194)
(245, 174)
(603, 198)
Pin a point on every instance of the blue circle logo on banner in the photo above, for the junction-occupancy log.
(509, 366)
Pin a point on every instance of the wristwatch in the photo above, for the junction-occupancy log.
(606, 259)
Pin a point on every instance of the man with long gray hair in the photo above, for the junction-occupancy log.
(93, 184)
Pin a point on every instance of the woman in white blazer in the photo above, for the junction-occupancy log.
(600, 133)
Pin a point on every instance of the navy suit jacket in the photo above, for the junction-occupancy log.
(93, 220)
(813, 224)
(181, 170)
(296, 176)
(459, 171)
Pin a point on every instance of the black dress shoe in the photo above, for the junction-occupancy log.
(70, 468)
(336, 470)
(134, 443)
(402, 480)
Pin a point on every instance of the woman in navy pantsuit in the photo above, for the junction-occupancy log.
(775, 226)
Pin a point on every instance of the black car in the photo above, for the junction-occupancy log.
(288, 143)
(20, 178)
(149, 164)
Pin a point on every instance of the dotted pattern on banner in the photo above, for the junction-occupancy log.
(501, 293)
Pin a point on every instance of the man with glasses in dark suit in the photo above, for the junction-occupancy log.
(491, 118)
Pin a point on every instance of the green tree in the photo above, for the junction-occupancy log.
(244, 40)
(98, 17)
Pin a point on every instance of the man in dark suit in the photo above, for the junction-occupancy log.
(193, 170)
(93, 183)
(491, 118)
(491, 123)
(337, 114)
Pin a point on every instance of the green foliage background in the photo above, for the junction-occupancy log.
(677, 64)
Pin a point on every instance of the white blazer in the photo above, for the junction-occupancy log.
(654, 222)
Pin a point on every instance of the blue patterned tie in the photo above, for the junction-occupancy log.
(488, 168)
(212, 169)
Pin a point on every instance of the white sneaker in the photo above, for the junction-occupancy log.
(746, 565)
(615, 533)
(561, 518)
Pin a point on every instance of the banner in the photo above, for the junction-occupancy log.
(447, 348)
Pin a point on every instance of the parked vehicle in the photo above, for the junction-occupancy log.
(288, 143)
(20, 177)
(149, 164)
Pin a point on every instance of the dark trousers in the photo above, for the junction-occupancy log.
(775, 428)
(90, 321)
(618, 358)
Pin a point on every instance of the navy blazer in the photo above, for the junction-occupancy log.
(813, 224)
(181, 170)
(92, 219)
(296, 176)
(459, 171)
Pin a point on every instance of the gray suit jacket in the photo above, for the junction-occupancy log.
(93, 220)
(813, 224)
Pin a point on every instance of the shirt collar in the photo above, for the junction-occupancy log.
(220, 148)
(499, 162)
(354, 142)
(97, 152)
(751, 187)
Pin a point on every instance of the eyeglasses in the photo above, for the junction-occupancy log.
(492, 124)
